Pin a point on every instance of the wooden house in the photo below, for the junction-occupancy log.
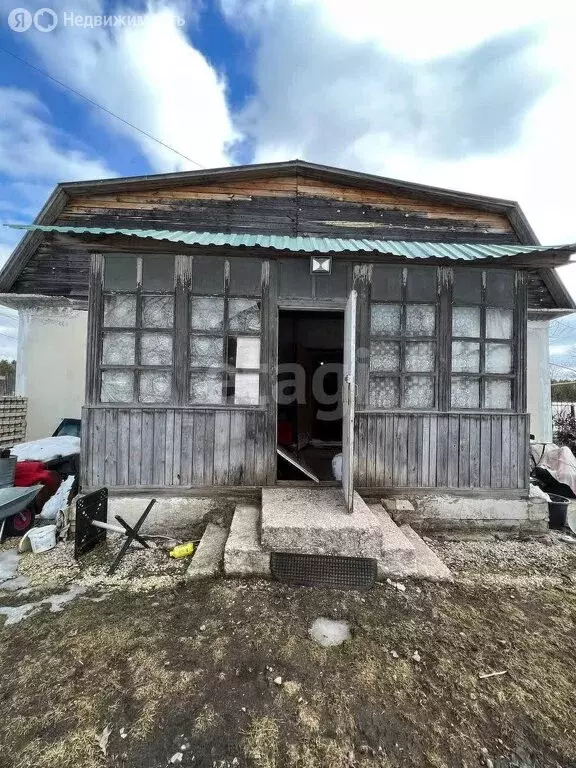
(204, 290)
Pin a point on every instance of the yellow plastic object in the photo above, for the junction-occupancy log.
(183, 550)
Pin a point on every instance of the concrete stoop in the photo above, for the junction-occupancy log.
(306, 521)
(313, 526)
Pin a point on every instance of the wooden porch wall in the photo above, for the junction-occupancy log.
(442, 450)
(163, 447)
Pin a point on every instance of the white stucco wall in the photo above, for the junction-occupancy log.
(51, 365)
(538, 383)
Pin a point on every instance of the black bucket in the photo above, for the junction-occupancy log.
(557, 509)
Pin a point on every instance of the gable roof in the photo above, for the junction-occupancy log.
(68, 190)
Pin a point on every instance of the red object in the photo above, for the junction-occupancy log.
(285, 433)
(35, 473)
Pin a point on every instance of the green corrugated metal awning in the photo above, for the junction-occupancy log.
(404, 248)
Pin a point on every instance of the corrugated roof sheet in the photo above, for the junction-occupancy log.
(405, 248)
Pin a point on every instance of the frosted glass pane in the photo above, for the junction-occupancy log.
(244, 352)
(117, 387)
(385, 319)
(157, 312)
(420, 356)
(207, 314)
(419, 392)
(244, 315)
(465, 356)
(498, 323)
(120, 310)
(466, 321)
(420, 319)
(384, 392)
(465, 392)
(498, 394)
(498, 358)
(206, 351)
(246, 388)
(384, 355)
(156, 349)
(206, 388)
(155, 386)
(118, 348)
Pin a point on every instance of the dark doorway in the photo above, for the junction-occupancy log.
(310, 356)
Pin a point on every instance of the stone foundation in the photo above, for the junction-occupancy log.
(446, 512)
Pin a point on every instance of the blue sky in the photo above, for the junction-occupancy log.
(478, 98)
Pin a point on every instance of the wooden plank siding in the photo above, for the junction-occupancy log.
(442, 450)
(159, 448)
(168, 447)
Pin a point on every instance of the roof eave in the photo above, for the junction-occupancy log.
(19, 257)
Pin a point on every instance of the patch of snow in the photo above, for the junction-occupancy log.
(47, 448)
(328, 633)
(15, 614)
(8, 564)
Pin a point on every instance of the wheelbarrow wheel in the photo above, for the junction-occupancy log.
(18, 524)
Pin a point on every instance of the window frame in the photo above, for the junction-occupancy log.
(482, 376)
(136, 368)
(403, 339)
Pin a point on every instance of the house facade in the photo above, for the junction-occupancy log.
(216, 330)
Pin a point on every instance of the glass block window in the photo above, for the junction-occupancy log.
(224, 333)
(403, 339)
(483, 373)
(136, 356)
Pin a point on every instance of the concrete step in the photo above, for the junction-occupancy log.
(397, 556)
(428, 564)
(314, 521)
(243, 553)
(208, 558)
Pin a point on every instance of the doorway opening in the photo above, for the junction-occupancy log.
(310, 365)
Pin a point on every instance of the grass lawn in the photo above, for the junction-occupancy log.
(194, 667)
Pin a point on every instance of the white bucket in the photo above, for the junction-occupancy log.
(42, 539)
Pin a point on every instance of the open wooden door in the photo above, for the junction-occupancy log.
(348, 401)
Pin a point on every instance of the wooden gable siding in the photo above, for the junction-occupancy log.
(292, 206)
(287, 204)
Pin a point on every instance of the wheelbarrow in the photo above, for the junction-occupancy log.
(16, 512)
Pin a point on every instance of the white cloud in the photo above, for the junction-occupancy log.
(32, 149)
(401, 91)
(151, 76)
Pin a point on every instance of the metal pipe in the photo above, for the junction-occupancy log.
(108, 527)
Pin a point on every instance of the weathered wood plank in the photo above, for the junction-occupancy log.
(496, 452)
(485, 451)
(122, 470)
(198, 448)
(453, 450)
(222, 448)
(135, 466)
(236, 452)
(464, 454)
(159, 449)
(186, 451)
(147, 436)
(414, 454)
(474, 426)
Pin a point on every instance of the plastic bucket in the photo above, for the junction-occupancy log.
(43, 538)
(557, 509)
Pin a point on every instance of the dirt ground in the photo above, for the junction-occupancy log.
(188, 674)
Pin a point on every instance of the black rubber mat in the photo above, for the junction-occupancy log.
(328, 572)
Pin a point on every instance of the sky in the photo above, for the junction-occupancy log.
(476, 97)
